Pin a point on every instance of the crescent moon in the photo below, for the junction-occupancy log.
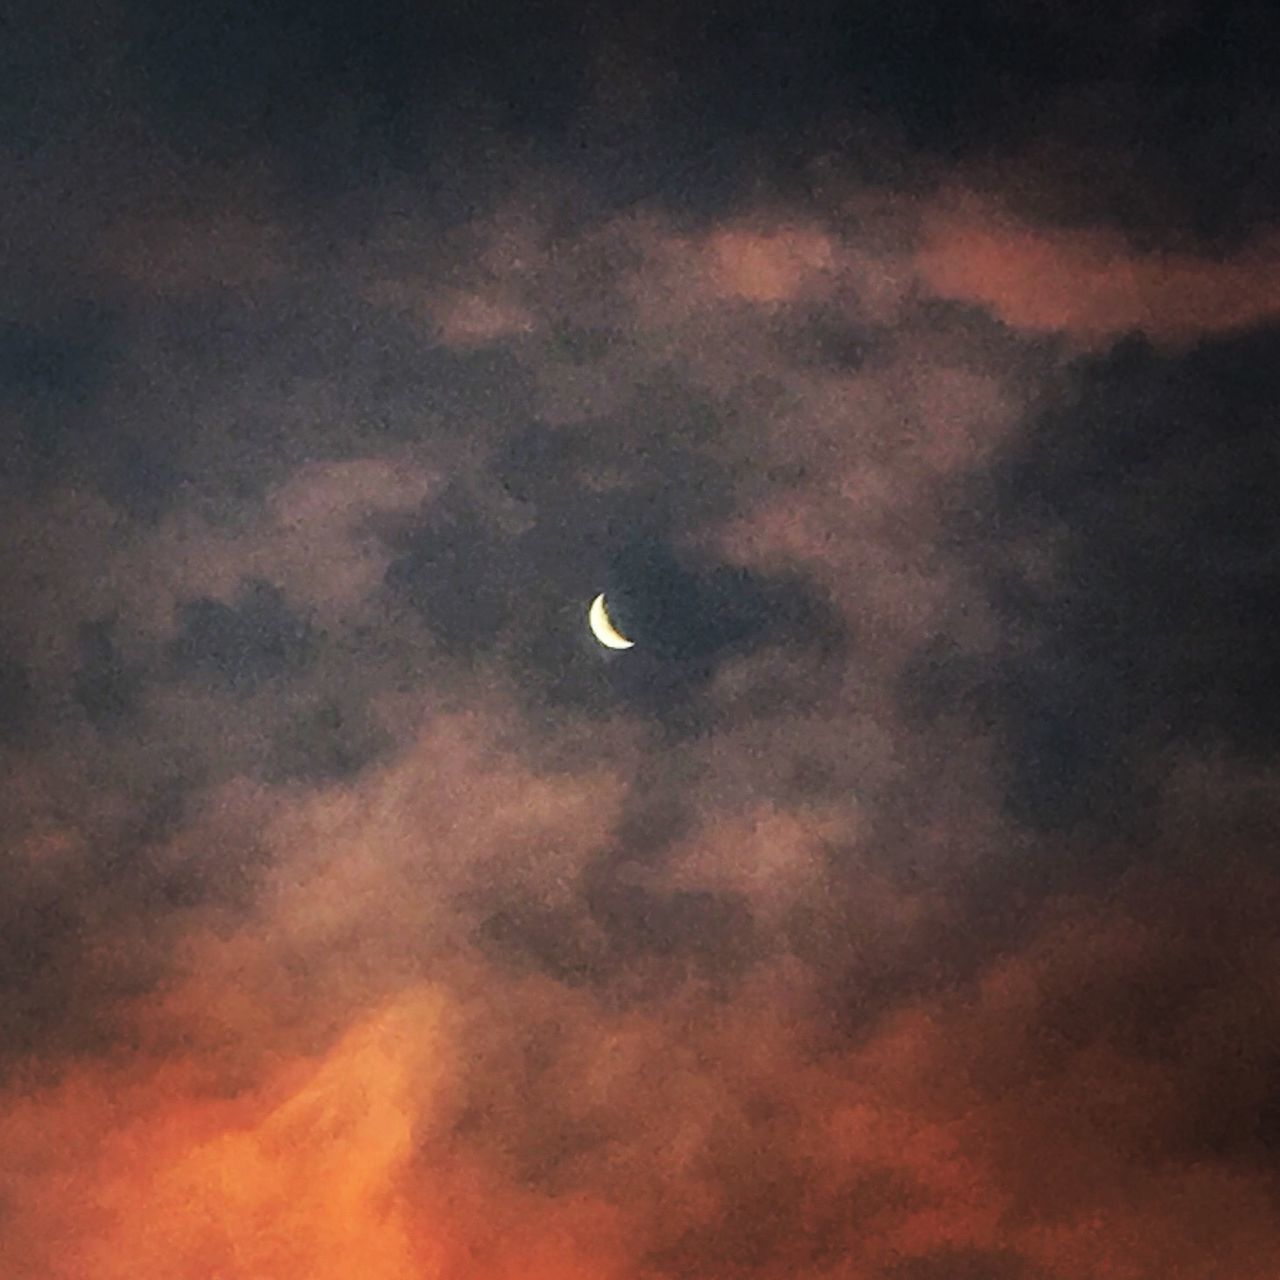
(603, 629)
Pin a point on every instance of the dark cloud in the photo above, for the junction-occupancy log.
(66, 979)
(710, 932)
(275, 374)
(964, 1264)
(901, 905)
(104, 686)
(329, 739)
(687, 619)
(1128, 544)
(143, 476)
(51, 377)
(445, 573)
(479, 591)
(523, 591)
(41, 955)
(346, 94)
(240, 646)
(17, 698)
(1147, 115)
(633, 944)
(541, 941)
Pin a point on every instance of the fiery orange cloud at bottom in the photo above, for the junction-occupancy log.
(312, 1174)
(492, 1126)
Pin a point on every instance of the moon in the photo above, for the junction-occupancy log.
(603, 629)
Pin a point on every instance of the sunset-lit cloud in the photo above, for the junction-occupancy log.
(901, 907)
(1091, 285)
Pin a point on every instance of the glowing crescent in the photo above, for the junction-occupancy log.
(603, 629)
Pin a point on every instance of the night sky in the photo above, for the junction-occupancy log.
(905, 905)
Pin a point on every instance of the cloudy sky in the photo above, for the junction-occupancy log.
(903, 906)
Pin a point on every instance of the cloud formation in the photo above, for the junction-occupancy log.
(902, 907)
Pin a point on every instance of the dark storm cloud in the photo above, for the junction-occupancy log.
(1128, 538)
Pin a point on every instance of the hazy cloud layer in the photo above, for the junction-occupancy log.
(901, 907)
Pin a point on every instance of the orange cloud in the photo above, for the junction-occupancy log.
(1092, 285)
(336, 1073)
(461, 319)
(488, 1126)
(309, 1188)
(772, 266)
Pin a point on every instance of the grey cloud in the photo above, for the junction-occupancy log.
(1127, 545)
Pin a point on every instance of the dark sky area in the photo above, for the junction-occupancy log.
(903, 905)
